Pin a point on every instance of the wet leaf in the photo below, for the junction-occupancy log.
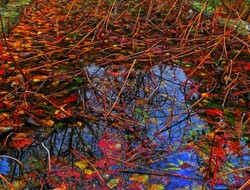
(205, 95)
(139, 178)
(19, 184)
(82, 164)
(89, 172)
(5, 129)
(214, 112)
(71, 98)
(21, 142)
(39, 78)
(157, 187)
(1, 71)
(113, 182)
(48, 123)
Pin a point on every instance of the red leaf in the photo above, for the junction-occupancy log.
(6, 58)
(214, 112)
(1, 105)
(19, 143)
(71, 98)
(1, 71)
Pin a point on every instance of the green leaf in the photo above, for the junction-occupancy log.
(173, 169)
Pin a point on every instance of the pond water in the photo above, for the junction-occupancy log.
(165, 106)
(133, 126)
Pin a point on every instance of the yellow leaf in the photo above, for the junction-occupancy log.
(39, 78)
(82, 164)
(57, 111)
(157, 187)
(88, 171)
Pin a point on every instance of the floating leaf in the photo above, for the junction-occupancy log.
(82, 164)
(5, 129)
(48, 123)
(19, 143)
(172, 166)
(139, 178)
(89, 172)
(173, 169)
(20, 184)
(1, 71)
(157, 187)
(39, 78)
(113, 182)
(214, 112)
(71, 98)
(205, 95)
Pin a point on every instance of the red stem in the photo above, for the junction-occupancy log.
(217, 160)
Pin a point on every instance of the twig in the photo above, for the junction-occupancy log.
(42, 96)
(85, 158)
(49, 161)
(245, 185)
(71, 6)
(6, 156)
(125, 81)
(233, 171)
(166, 127)
(6, 181)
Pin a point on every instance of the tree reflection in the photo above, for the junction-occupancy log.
(125, 142)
